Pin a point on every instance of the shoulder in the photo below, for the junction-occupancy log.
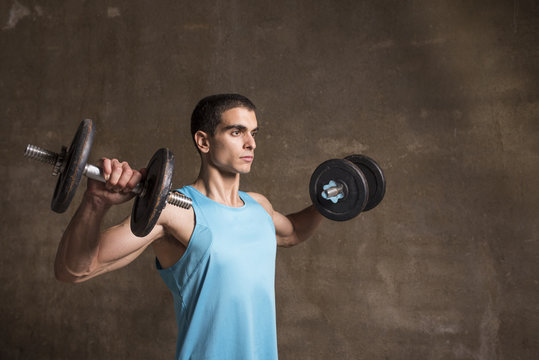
(178, 222)
(262, 200)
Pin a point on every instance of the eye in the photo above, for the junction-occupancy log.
(235, 132)
(254, 133)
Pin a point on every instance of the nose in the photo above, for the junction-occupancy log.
(250, 142)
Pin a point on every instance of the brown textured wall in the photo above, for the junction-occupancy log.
(444, 94)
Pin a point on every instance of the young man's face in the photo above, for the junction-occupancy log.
(232, 147)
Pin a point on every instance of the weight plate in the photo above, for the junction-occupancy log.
(73, 166)
(355, 189)
(149, 204)
(375, 178)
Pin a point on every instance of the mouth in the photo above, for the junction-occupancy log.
(248, 158)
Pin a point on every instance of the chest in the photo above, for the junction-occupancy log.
(242, 242)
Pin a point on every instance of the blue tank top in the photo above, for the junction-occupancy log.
(224, 285)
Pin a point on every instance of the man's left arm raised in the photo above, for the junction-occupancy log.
(294, 228)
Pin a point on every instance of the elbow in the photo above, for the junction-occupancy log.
(287, 245)
(65, 275)
(63, 278)
(289, 241)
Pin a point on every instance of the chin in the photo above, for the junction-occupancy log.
(244, 171)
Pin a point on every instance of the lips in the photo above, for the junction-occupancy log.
(248, 158)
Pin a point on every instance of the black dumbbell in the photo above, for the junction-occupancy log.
(342, 188)
(71, 164)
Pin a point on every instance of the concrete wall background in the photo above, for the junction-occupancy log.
(444, 94)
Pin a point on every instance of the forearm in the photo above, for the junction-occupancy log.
(79, 246)
(303, 225)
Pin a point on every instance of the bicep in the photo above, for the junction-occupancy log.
(283, 225)
(118, 246)
(284, 228)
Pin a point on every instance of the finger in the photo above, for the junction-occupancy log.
(106, 165)
(126, 175)
(136, 177)
(144, 172)
(116, 173)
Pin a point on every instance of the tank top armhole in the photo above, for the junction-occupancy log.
(197, 212)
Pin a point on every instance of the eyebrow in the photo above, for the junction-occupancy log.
(238, 127)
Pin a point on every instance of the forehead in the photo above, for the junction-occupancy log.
(238, 116)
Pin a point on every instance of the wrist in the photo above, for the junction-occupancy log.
(95, 202)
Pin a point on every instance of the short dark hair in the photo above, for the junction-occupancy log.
(207, 114)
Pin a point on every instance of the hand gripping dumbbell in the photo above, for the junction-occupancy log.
(342, 188)
(70, 164)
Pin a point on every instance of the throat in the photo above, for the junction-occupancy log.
(220, 192)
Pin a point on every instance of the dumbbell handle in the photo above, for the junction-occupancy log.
(96, 173)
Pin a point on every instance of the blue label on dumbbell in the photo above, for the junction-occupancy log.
(333, 199)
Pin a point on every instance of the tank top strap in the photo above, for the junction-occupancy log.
(247, 199)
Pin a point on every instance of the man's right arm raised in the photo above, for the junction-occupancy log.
(85, 251)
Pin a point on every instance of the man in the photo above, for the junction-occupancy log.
(217, 258)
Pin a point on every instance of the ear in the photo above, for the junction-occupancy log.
(202, 140)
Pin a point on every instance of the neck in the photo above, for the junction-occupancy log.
(219, 186)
